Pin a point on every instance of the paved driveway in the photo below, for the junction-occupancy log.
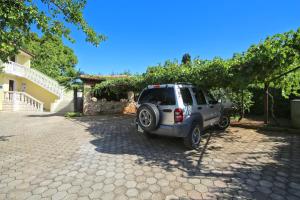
(103, 157)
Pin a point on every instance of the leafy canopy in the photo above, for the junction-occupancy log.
(18, 17)
(260, 64)
(266, 62)
(53, 58)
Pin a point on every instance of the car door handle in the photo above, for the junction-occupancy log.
(211, 106)
(199, 108)
(167, 110)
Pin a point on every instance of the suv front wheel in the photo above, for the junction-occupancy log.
(193, 139)
(224, 122)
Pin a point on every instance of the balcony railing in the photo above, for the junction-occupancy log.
(18, 99)
(35, 76)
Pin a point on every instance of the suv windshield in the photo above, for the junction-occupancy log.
(159, 96)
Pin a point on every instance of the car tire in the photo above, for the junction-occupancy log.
(193, 139)
(224, 122)
(148, 117)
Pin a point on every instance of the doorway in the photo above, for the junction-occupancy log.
(11, 86)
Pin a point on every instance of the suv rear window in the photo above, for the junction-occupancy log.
(159, 96)
(186, 96)
(210, 98)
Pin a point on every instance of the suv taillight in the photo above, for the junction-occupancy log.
(178, 115)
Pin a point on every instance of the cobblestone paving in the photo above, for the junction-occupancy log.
(49, 157)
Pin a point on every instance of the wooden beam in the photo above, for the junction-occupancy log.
(283, 74)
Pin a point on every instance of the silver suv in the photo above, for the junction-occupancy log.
(179, 110)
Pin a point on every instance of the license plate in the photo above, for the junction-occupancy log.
(140, 129)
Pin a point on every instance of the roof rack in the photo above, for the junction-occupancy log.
(184, 83)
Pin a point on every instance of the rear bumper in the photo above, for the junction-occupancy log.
(176, 130)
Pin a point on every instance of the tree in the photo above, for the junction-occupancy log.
(18, 17)
(186, 59)
(263, 64)
(53, 58)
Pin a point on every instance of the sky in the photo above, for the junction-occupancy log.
(144, 33)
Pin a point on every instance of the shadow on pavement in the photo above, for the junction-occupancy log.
(5, 138)
(45, 115)
(242, 162)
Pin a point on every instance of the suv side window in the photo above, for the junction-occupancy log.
(159, 96)
(200, 98)
(210, 98)
(186, 96)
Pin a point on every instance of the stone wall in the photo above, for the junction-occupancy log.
(94, 106)
(102, 106)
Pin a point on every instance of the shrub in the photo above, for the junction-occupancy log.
(73, 114)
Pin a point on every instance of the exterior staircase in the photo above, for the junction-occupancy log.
(21, 101)
(35, 76)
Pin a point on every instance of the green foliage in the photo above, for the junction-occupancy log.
(18, 17)
(281, 105)
(289, 85)
(208, 74)
(235, 96)
(260, 64)
(1, 66)
(119, 86)
(53, 58)
(73, 114)
(265, 62)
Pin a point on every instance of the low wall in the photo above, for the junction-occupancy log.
(94, 106)
(101, 106)
(1, 98)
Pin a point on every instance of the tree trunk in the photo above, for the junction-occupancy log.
(242, 107)
(266, 103)
(272, 109)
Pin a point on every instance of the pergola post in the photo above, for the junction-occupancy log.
(266, 103)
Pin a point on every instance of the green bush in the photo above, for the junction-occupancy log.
(73, 114)
(282, 105)
(209, 75)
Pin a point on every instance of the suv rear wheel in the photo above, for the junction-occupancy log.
(193, 139)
